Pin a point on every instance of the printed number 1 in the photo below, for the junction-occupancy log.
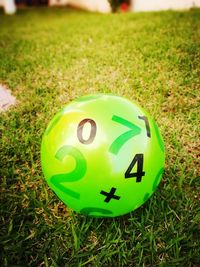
(146, 121)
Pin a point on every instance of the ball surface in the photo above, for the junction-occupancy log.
(102, 155)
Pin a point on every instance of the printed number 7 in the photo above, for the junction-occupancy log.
(122, 139)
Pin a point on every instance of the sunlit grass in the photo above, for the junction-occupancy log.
(48, 57)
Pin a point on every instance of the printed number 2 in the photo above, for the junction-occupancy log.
(75, 175)
(139, 160)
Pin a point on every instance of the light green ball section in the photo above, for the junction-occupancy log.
(102, 155)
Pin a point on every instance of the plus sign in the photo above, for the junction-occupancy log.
(110, 195)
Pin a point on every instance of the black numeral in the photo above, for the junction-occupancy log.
(139, 160)
(145, 119)
(93, 131)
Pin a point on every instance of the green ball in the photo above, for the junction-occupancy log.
(102, 155)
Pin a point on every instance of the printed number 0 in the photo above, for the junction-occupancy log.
(120, 140)
(92, 132)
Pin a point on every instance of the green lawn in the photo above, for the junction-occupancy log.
(49, 57)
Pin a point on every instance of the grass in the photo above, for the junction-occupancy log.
(49, 57)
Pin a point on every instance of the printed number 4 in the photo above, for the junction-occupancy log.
(139, 160)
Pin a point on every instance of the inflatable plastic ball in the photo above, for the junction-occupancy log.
(102, 155)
